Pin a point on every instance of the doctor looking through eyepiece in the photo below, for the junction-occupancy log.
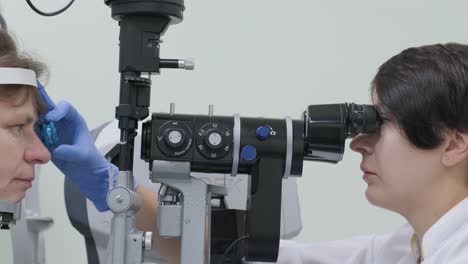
(416, 164)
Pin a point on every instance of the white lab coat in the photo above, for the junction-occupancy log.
(446, 242)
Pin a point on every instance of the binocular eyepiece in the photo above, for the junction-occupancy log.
(328, 126)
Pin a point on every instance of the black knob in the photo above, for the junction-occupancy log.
(174, 137)
(214, 139)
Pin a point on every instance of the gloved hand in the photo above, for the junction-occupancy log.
(76, 155)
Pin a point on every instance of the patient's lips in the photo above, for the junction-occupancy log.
(25, 181)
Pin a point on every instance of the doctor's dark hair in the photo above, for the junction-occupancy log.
(425, 91)
(11, 57)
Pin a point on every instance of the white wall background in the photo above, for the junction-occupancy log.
(256, 58)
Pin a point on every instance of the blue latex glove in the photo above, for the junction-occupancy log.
(76, 155)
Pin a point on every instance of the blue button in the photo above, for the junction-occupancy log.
(248, 153)
(263, 132)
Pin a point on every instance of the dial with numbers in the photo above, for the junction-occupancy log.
(213, 140)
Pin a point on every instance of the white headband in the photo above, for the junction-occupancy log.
(18, 76)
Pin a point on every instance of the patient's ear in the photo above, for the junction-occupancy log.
(456, 149)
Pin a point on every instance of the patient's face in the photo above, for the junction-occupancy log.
(20, 148)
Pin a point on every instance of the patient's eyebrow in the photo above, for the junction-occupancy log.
(31, 119)
(26, 117)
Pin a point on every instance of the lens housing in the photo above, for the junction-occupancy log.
(328, 126)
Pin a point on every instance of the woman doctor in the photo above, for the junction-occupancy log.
(416, 164)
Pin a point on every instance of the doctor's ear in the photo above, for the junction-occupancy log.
(456, 148)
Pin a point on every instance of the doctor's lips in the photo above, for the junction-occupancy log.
(367, 172)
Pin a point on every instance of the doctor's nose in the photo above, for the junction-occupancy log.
(363, 143)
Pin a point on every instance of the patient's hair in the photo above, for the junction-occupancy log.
(425, 91)
(10, 57)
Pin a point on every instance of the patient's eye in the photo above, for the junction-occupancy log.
(17, 129)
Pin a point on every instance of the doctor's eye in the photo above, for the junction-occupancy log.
(385, 119)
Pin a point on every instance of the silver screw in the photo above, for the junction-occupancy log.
(210, 110)
(172, 108)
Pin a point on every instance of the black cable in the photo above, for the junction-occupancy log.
(226, 252)
(51, 13)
